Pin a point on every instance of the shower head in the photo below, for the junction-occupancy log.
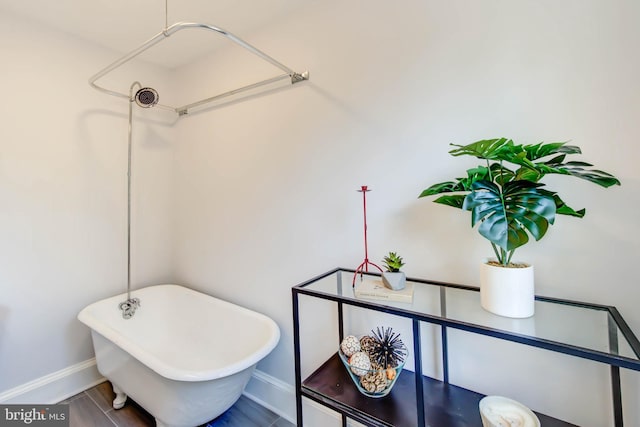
(146, 97)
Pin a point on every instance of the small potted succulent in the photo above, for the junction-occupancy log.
(393, 278)
(509, 204)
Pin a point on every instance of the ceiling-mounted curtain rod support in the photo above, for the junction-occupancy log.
(295, 77)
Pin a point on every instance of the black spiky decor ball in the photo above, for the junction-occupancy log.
(388, 349)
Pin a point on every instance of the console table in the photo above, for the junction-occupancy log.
(417, 400)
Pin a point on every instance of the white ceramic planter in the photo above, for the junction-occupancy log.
(507, 292)
(394, 281)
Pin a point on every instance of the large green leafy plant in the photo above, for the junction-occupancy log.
(505, 195)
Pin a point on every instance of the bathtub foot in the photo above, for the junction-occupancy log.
(120, 399)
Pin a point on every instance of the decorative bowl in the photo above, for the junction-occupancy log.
(375, 382)
(498, 411)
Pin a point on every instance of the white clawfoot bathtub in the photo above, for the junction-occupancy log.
(184, 356)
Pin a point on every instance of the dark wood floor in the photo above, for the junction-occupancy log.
(92, 408)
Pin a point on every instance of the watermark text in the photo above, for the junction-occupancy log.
(34, 415)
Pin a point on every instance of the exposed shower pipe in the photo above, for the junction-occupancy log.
(129, 150)
(168, 31)
(145, 97)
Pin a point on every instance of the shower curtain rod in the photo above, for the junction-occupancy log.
(182, 110)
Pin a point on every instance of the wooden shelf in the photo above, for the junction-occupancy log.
(445, 404)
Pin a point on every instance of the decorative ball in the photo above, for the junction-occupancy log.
(374, 382)
(360, 363)
(368, 343)
(350, 345)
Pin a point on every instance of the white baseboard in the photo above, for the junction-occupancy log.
(55, 387)
(280, 398)
(272, 393)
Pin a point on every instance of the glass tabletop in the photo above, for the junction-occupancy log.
(572, 325)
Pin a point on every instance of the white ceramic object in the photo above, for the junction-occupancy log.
(498, 411)
(507, 292)
(184, 356)
(350, 345)
(395, 281)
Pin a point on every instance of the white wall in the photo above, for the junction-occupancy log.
(265, 187)
(254, 196)
(63, 151)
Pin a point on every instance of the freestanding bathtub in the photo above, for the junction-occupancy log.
(184, 356)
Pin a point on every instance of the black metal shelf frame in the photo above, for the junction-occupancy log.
(615, 323)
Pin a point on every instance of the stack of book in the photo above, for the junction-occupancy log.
(374, 289)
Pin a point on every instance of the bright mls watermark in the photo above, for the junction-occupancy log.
(34, 415)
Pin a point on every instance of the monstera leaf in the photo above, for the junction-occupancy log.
(460, 185)
(508, 214)
(507, 202)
